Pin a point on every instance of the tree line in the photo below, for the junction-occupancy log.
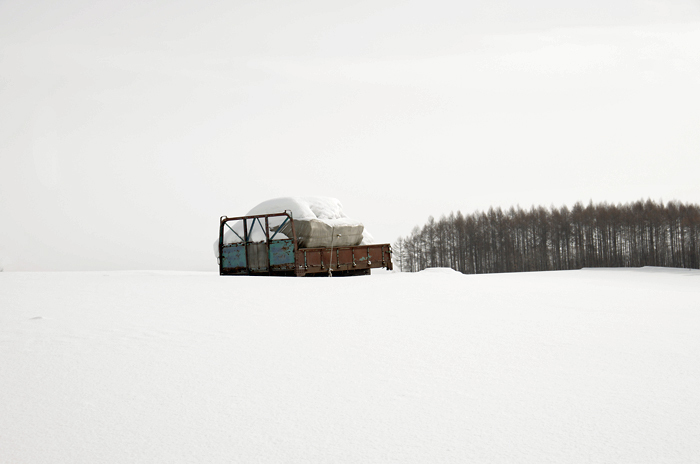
(643, 233)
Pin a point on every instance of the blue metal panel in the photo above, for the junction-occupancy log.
(281, 252)
(233, 256)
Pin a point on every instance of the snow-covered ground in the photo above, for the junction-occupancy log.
(590, 366)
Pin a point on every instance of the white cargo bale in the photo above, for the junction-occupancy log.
(316, 233)
(317, 221)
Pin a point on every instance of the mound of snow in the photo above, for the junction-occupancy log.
(441, 270)
(325, 208)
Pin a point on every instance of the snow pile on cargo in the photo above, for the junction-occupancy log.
(326, 209)
(318, 222)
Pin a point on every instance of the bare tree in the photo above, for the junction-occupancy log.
(643, 233)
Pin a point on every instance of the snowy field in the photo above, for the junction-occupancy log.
(590, 366)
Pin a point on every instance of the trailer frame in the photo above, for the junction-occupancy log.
(283, 256)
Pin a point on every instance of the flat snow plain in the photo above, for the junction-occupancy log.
(589, 366)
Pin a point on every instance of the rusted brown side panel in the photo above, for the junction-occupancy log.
(343, 259)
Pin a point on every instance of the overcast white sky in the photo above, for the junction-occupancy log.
(127, 128)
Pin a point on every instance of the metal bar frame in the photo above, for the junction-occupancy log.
(223, 221)
(231, 229)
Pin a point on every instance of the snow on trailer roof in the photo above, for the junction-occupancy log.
(325, 209)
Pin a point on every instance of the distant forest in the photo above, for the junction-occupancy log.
(644, 233)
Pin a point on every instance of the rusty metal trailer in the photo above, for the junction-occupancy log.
(276, 254)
